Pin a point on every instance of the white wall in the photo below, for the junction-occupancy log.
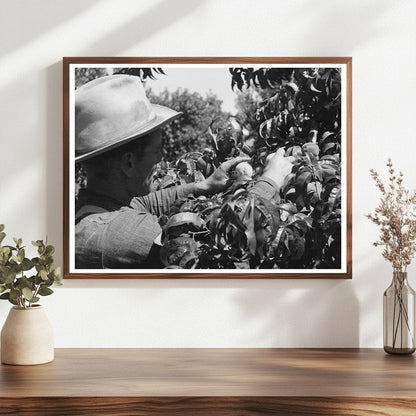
(34, 36)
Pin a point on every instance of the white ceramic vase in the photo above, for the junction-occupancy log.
(27, 337)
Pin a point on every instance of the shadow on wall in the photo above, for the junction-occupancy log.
(347, 26)
(4, 311)
(54, 146)
(164, 14)
(306, 313)
(158, 17)
(280, 310)
(151, 22)
(300, 313)
(37, 17)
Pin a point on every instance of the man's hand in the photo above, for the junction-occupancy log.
(219, 180)
(278, 167)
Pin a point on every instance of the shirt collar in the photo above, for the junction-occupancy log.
(88, 197)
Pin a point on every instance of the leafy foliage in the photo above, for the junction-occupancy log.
(15, 285)
(301, 227)
(302, 114)
(247, 103)
(188, 133)
(143, 73)
(84, 75)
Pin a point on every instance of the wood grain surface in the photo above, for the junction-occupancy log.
(208, 406)
(212, 381)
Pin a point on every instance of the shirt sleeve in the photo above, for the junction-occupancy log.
(128, 239)
(265, 188)
(160, 202)
(115, 240)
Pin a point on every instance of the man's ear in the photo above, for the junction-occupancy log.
(128, 163)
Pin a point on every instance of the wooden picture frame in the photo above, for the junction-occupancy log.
(319, 77)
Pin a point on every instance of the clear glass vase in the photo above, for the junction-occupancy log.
(399, 316)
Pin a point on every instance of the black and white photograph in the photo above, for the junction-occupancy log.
(219, 168)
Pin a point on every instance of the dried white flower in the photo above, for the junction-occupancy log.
(396, 216)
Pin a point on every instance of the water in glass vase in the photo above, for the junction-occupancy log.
(399, 316)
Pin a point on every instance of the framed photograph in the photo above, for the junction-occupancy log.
(207, 168)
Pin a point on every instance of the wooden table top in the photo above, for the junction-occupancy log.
(214, 372)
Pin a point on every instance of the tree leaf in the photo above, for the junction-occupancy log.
(18, 242)
(326, 135)
(248, 220)
(185, 218)
(26, 264)
(328, 146)
(300, 185)
(7, 276)
(45, 291)
(232, 218)
(27, 293)
(312, 149)
(57, 276)
(21, 255)
(4, 255)
(49, 250)
(24, 282)
(173, 250)
(43, 275)
(15, 294)
(14, 302)
(293, 86)
(288, 207)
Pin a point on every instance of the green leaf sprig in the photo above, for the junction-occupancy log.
(16, 285)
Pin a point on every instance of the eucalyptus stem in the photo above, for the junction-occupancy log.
(36, 291)
(24, 279)
(394, 315)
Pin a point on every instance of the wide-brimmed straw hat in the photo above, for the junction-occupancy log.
(114, 110)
